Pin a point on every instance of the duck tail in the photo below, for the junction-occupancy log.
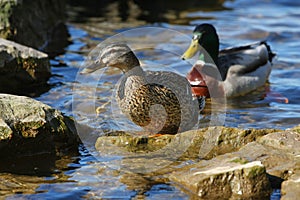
(271, 54)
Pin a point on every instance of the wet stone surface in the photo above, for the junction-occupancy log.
(236, 163)
(30, 127)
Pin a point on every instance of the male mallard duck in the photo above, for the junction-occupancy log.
(230, 72)
(142, 94)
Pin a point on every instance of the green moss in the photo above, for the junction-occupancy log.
(58, 125)
(29, 129)
(62, 126)
(137, 144)
(297, 129)
(5, 133)
(239, 160)
(255, 171)
(6, 8)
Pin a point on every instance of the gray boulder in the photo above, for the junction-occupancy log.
(29, 127)
(38, 24)
(21, 67)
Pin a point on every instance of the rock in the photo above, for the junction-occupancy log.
(233, 149)
(205, 143)
(284, 162)
(32, 127)
(127, 143)
(278, 153)
(296, 128)
(213, 141)
(141, 154)
(38, 24)
(5, 130)
(28, 180)
(224, 177)
(291, 188)
(287, 141)
(144, 155)
(282, 154)
(21, 67)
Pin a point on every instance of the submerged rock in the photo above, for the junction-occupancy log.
(22, 67)
(30, 127)
(38, 24)
(24, 180)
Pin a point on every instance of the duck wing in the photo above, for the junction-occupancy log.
(245, 59)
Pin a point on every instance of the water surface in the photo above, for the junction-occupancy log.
(237, 22)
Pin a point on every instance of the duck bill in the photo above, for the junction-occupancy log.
(91, 67)
(192, 50)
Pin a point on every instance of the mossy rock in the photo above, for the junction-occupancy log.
(204, 143)
(30, 127)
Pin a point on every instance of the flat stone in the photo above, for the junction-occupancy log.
(288, 141)
(224, 177)
(205, 143)
(210, 142)
(278, 163)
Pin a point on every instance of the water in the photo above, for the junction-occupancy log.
(237, 22)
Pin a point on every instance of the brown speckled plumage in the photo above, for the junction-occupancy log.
(158, 101)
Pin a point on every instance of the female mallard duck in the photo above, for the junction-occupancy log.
(160, 102)
(230, 72)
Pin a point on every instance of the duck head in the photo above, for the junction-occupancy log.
(206, 41)
(114, 55)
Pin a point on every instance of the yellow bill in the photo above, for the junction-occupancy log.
(192, 50)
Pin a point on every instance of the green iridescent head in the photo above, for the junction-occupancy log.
(205, 37)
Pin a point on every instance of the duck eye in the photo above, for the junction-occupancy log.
(196, 37)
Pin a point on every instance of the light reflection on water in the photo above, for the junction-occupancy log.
(242, 22)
